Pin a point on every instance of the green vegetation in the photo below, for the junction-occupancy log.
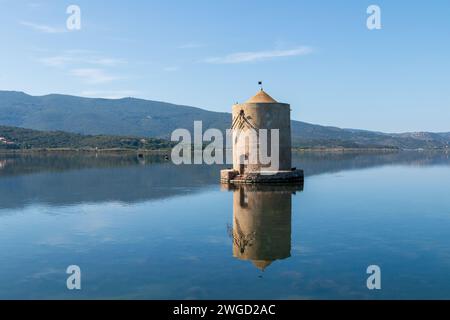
(12, 138)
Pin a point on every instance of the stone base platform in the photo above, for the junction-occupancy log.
(294, 176)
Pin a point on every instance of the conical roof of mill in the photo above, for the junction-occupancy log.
(261, 97)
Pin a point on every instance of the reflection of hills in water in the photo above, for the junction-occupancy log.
(314, 163)
(261, 231)
(65, 179)
(19, 164)
(68, 179)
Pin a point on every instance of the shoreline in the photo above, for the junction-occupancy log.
(168, 151)
(87, 151)
(371, 150)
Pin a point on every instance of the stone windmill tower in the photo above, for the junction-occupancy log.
(261, 112)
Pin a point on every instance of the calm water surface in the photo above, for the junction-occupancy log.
(146, 229)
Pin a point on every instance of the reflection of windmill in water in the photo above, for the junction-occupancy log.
(261, 229)
(240, 240)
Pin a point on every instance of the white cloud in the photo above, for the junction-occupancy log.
(111, 62)
(34, 5)
(191, 45)
(171, 69)
(86, 65)
(56, 61)
(80, 51)
(255, 56)
(80, 57)
(42, 27)
(93, 76)
(111, 94)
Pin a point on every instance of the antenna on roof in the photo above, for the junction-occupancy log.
(260, 85)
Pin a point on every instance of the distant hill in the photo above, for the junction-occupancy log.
(145, 118)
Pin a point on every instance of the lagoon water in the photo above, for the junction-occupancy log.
(147, 229)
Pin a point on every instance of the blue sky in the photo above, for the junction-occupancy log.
(318, 56)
